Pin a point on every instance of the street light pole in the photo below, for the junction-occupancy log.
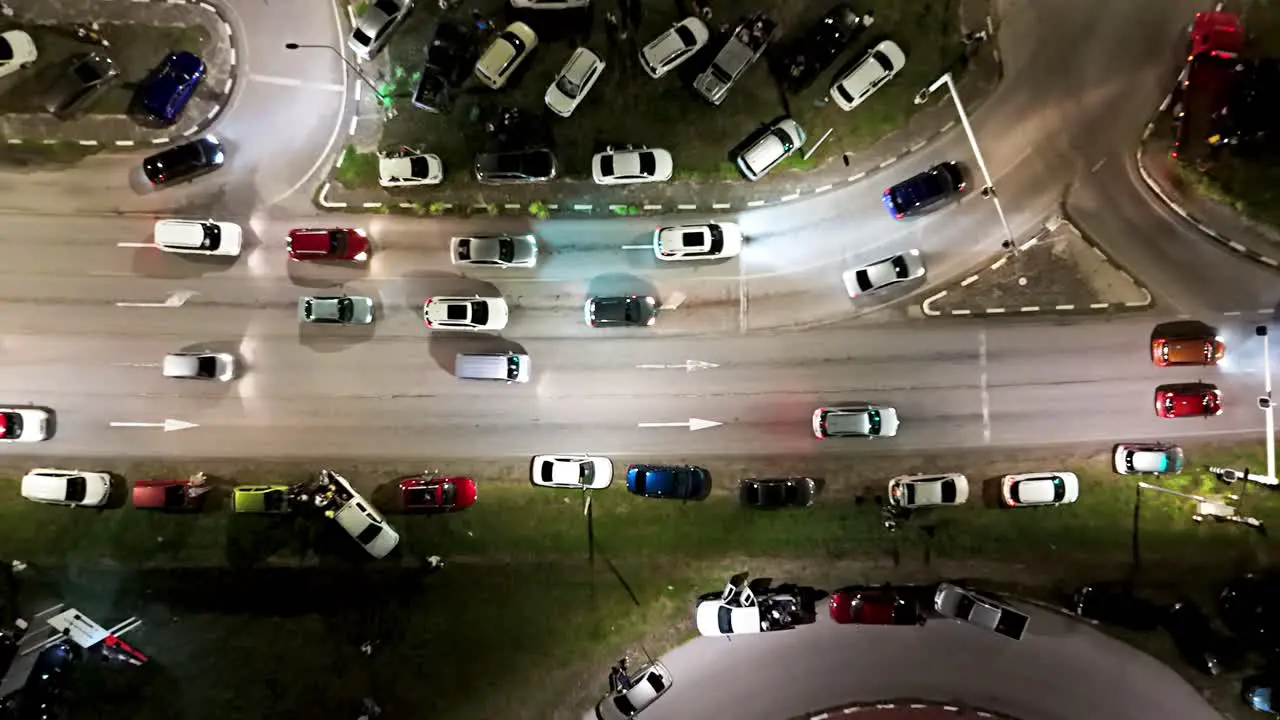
(1265, 402)
(989, 189)
(343, 58)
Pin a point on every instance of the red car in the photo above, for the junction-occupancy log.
(1216, 33)
(437, 493)
(1190, 400)
(883, 605)
(169, 494)
(328, 244)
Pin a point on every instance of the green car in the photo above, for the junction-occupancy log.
(263, 499)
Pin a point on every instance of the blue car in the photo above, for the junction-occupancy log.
(165, 92)
(923, 190)
(668, 481)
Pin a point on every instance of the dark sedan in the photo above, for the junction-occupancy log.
(184, 162)
(777, 492)
(674, 482)
(1248, 607)
(1115, 604)
(812, 53)
(923, 190)
(1202, 647)
(80, 84)
(451, 55)
(622, 311)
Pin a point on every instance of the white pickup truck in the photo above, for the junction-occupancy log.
(746, 44)
(357, 516)
(968, 606)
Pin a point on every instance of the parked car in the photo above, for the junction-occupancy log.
(885, 273)
(1258, 692)
(549, 4)
(628, 167)
(441, 494)
(409, 167)
(1216, 33)
(880, 605)
(1247, 606)
(674, 482)
(80, 84)
(573, 82)
(739, 609)
(198, 237)
(1040, 488)
(875, 69)
(163, 95)
(777, 492)
(767, 147)
(1200, 646)
(516, 167)
(575, 472)
(270, 499)
(923, 190)
(856, 420)
(1203, 350)
(713, 241)
(350, 244)
(355, 515)
(677, 44)
(915, 491)
(505, 251)
(170, 494)
(621, 311)
(76, 488)
(958, 603)
(17, 51)
(812, 53)
(340, 310)
(464, 313)
(23, 424)
(1188, 400)
(450, 56)
(199, 366)
(500, 60)
(1115, 604)
(370, 31)
(647, 685)
(1155, 458)
(185, 162)
(742, 48)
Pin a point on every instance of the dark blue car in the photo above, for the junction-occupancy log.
(668, 481)
(921, 191)
(165, 92)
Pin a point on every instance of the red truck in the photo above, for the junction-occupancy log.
(1216, 33)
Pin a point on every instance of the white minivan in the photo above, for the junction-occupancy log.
(200, 237)
(508, 367)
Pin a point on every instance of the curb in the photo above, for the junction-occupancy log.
(899, 705)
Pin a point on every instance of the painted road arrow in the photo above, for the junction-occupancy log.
(687, 365)
(169, 425)
(174, 300)
(691, 423)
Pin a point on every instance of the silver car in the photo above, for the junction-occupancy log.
(884, 273)
(860, 420)
(373, 28)
(344, 310)
(495, 250)
(199, 366)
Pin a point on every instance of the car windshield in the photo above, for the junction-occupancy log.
(899, 263)
(86, 73)
(624, 705)
(606, 165)
(873, 422)
(964, 606)
(548, 472)
(336, 241)
(587, 471)
(175, 496)
(568, 85)
(506, 249)
(864, 279)
(346, 309)
(212, 236)
(883, 61)
(10, 425)
(479, 313)
(448, 493)
(369, 534)
(273, 500)
(206, 366)
(632, 310)
(419, 168)
(6, 50)
(911, 493)
(948, 490)
(648, 164)
(686, 38)
(76, 488)
(361, 37)
(724, 618)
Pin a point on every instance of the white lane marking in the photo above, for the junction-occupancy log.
(131, 245)
(1098, 165)
(142, 365)
(637, 247)
(742, 299)
(294, 82)
(986, 396)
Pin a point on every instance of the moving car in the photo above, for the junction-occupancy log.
(1188, 400)
(575, 472)
(462, 313)
(1156, 458)
(882, 605)
(80, 84)
(877, 68)
(273, 499)
(647, 685)
(67, 487)
(1040, 488)
(517, 167)
(858, 420)
(1217, 33)
(1247, 606)
(621, 311)
(17, 51)
(198, 237)
(628, 167)
(1115, 604)
(923, 190)
(184, 162)
(373, 28)
(163, 95)
(450, 55)
(812, 53)
(712, 241)
(915, 491)
(437, 493)
(199, 366)
(169, 494)
(777, 492)
(674, 482)
(573, 82)
(342, 310)
(409, 167)
(503, 251)
(1206, 350)
(767, 147)
(328, 244)
(884, 273)
(1202, 647)
(23, 424)
(500, 60)
(674, 46)
(957, 603)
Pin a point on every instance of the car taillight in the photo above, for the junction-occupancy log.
(897, 216)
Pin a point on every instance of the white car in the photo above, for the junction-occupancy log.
(199, 237)
(913, 491)
(712, 241)
(17, 51)
(647, 685)
(877, 68)
(362, 521)
(505, 54)
(23, 424)
(465, 313)
(495, 250)
(674, 46)
(1154, 458)
(716, 618)
(1040, 488)
(627, 167)
(860, 420)
(549, 4)
(67, 487)
(401, 170)
(373, 28)
(199, 366)
(574, 81)
(884, 273)
(575, 472)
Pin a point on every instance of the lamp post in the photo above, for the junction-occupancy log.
(343, 58)
(1265, 403)
(989, 189)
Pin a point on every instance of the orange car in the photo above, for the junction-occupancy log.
(1187, 351)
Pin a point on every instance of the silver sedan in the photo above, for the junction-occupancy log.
(495, 250)
(344, 310)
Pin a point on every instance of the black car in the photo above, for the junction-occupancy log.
(814, 52)
(624, 310)
(777, 492)
(1115, 604)
(451, 54)
(79, 83)
(1250, 608)
(43, 695)
(516, 167)
(1200, 645)
(668, 482)
(1256, 691)
(924, 190)
(181, 163)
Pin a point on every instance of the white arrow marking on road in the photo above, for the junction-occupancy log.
(688, 365)
(146, 365)
(135, 245)
(169, 425)
(173, 301)
(692, 424)
(674, 301)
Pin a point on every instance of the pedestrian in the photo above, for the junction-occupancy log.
(435, 562)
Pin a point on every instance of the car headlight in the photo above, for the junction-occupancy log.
(361, 256)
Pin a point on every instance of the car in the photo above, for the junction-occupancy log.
(858, 420)
(1217, 33)
(517, 167)
(1200, 646)
(1188, 400)
(270, 499)
(1155, 458)
(677, 44)
(875, 69)
(199, 237)
(504, 251)
(17, 51)
(647, 685)
(370, 31)
(24, 424)
(745, 44)
(355, 515)
(199, 366)
(743, 608)
(76, 488)
(549, 4)
(575, 472)
(163, 95)
(170, 494)
(825, 40)
(969, 606)
(336, 310)
(425, 492)
(1039, 488)
(923, 190)
(328, 244)
(464, 313)
(621, 311)
(1115, 604)
(777, 492)
(185, 162)
(915, 491)
(1247, 605)
(450, 55)
(628, 167)
(1200, 350)
(767, 147)
(573, 82)
(406, 168)
(716, 618)
(713, 241)
(674, 482)
(1257, 692)
(42, 682)
(883, 274)
(81, 83)
(510, 48)
(883, 605)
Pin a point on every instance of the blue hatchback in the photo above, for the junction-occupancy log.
(921, 191)
(668, 481)
(165, 92)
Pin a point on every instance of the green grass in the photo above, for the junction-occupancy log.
(357, 169)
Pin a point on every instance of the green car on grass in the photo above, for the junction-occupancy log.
(276, 499)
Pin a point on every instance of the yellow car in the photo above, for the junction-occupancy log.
(277, 499)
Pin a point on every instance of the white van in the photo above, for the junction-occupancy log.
(770, 147)
(509, 367)
(201, 237)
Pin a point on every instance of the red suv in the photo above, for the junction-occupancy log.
(328, 244)
(1188, 400)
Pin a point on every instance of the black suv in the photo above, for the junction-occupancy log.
(181, 163)
(80, 83)
(624, 310)
(922, 191)
(515, 167)
(814, 51)
(451, 53)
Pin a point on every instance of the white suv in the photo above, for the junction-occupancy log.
(674, 46)
(913, 491)
(505, 54)
(1040, 488)
(713, 241)
(877, 68)
(771, 146)
(573, 82)
(198, 237)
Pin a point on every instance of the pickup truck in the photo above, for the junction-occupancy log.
(333, 494)
(968, 606)
(746, 44)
